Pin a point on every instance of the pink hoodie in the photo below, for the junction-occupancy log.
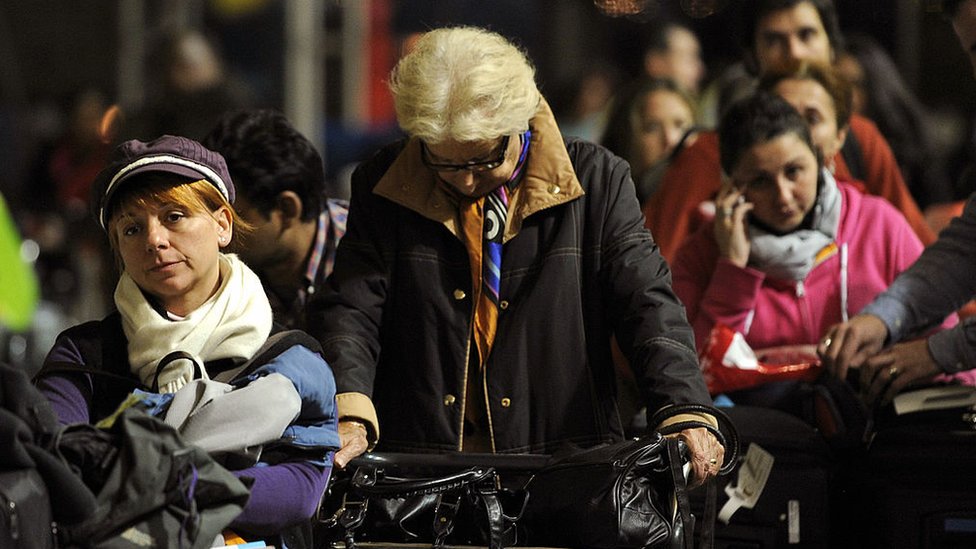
(875, 244)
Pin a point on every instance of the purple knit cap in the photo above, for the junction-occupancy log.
(167, 154)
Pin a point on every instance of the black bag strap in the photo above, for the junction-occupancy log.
(676, 463)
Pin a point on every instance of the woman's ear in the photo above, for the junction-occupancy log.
(225, 226)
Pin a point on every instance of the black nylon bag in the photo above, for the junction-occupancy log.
(25, 511)
(152, 489)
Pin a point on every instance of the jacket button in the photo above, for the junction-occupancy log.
(506, 402)
(459, 294)
(503, 304)
(554, 189)
(449, 399)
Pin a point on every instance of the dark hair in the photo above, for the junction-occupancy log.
(620, 135)
(837, 87)
(751, 11)
(266, 156)
(758, 119)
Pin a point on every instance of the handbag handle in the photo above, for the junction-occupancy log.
(172, 357)
(726, 433)
(374, 482)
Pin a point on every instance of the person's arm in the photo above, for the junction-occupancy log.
(282, 495)
(648, 319)
(936, 285)
(70, 394)
(345, 317)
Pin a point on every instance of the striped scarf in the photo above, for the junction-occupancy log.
(484, 226)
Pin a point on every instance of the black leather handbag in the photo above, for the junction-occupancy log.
(626, 495)
(429, 499)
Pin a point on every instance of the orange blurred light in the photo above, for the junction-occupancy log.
(111, 123)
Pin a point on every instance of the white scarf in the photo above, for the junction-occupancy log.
(792, 256)
(233, 323)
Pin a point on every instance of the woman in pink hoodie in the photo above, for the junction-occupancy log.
(791, 250)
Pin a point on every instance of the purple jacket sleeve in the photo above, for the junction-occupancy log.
(282, 495)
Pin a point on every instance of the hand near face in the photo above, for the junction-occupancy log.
(730, 225)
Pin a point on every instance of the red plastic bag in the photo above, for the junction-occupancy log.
(729, 364)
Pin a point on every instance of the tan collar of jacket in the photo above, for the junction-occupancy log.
(549, 180)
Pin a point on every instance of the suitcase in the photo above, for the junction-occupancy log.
(916, 485)
(793, 509)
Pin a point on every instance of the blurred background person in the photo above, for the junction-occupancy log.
(881, 94)
(649, 121)
(673, 51)
(582, 111)
(193, 91)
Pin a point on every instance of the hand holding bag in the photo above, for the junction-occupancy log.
(626, 495)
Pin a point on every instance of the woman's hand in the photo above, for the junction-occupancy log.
(730, 225)
(887, 373)
(851, 344)
(707, 455)
(352, 436)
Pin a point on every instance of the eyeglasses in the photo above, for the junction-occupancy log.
(473, 166)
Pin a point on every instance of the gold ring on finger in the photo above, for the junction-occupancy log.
(893, 371)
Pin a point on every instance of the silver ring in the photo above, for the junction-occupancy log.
(827, 342)
(893, 371)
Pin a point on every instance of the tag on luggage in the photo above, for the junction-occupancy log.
(750, 482)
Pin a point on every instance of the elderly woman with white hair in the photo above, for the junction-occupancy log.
(487, 266)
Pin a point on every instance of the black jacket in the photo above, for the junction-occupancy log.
(578, 267)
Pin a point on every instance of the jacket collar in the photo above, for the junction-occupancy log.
(549, 180)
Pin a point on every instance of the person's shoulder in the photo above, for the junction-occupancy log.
(378, 162)
(581, 150)
(95, 330)
(865, 130)
(871, 211)
(855, 197)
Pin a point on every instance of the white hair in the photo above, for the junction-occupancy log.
(464, 84)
